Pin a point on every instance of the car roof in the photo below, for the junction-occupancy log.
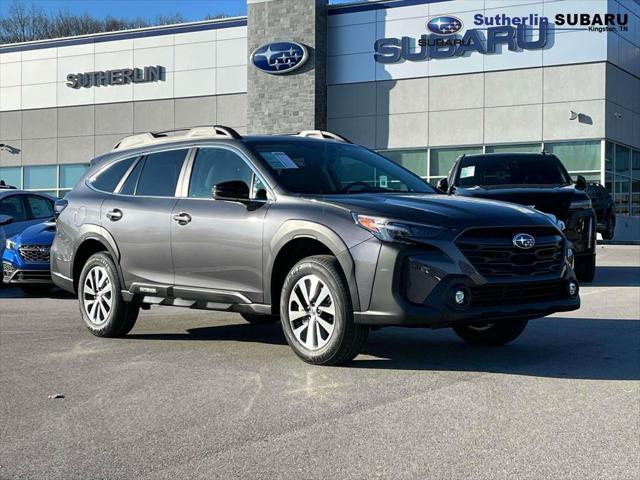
(510, 155)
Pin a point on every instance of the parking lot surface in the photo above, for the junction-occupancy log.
(192, 394)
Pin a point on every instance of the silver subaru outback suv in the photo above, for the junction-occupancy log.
(327, 237)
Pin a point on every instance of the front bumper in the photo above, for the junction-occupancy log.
(16, 271)
(416, 287)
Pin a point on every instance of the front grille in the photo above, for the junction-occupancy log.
(35, 253)
(496, 295)
(492, 253)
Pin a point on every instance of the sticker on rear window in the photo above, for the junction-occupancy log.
(279, 160)
(467, 172)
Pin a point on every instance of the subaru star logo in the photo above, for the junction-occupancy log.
(444, 25)
(524, 241)
(279, 57)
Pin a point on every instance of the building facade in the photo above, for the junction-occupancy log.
(505, 80)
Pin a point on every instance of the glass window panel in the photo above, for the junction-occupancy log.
(623, 160)
(635, 197)
(213, 166)
(635, 165)
(622, 194)
(577, 155)
(40, 207)
(442, 159)
(518, 148)
(109, 178)
(129, 186)
(71, 174)
(40, 177)
(608, 157)
(11, 176)
(414, 160)
(14, 207)
(160, 173)
(590, 177)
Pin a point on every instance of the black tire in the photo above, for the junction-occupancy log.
(347, 338)
(260, 319)
(585, 268)
(36, 290)
(122, 316)
(607, 234)
(487, 333)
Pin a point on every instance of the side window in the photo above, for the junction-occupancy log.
(213, 166)
(160, 173)
(40, 207)
(109, 178)
(13, 207)
(258, 190)
(129, 186)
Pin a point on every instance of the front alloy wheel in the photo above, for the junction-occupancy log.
(311, 312)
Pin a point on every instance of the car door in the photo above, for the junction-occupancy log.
(217, 244)
(138, 217)
(16, 208)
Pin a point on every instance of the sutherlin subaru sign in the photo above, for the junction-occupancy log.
(121, 76)
(444, 41)
(279, 57)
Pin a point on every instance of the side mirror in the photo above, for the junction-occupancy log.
(581, 183)
(233, 190)
(5, 220)
(443, 185)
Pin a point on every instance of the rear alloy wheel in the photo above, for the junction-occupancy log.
(316, 313)
(103, 310)
(585, 268)
(611, 227)
(491, 333)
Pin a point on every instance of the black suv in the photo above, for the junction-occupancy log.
(537, 180)
(327, 237)
(605, 210)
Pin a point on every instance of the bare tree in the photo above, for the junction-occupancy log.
(25, 23)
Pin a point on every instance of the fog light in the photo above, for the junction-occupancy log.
(573, 288)
(461, 296)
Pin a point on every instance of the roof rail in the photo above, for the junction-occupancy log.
(149, 138)
(322, 134)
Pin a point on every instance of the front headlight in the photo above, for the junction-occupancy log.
(10, 245)
(390, 230)
(581, 204)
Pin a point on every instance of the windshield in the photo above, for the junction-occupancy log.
(314, 167)
(511, 170)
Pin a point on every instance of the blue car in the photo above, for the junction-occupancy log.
(25, 260)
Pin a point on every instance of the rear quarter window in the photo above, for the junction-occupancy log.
(108, 179)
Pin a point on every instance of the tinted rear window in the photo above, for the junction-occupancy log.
(160, 173)
(511, 170)
(108, 180)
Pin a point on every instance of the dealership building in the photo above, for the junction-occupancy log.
(505, 77)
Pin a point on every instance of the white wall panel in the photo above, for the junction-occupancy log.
(195, 55)
(144, 57)
(39, 96)
(352, 39)
(75, 50)
(113, 45)
(39, 71)
(10, 98)
(10, 74)
(231, 32)
(351, 68)
(113, 93)
(10, 57)
(230, 53)
(114, 60)
(77, 64)
(412, 11)
(39, 54)
(231, 79)
(153, 41)
(70, 96)
(354, 18)
(152, 90)
(195, 37)
(193, 83)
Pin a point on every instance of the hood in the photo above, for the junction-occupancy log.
(452, 212)
(549, 199)
(40, 234)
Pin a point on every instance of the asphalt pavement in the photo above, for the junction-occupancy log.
(192, 394)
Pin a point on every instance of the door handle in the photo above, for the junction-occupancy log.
(114, 215)
(182, 218)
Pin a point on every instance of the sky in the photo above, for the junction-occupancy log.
(190, 9)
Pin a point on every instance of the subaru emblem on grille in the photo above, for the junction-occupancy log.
(524, 241)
